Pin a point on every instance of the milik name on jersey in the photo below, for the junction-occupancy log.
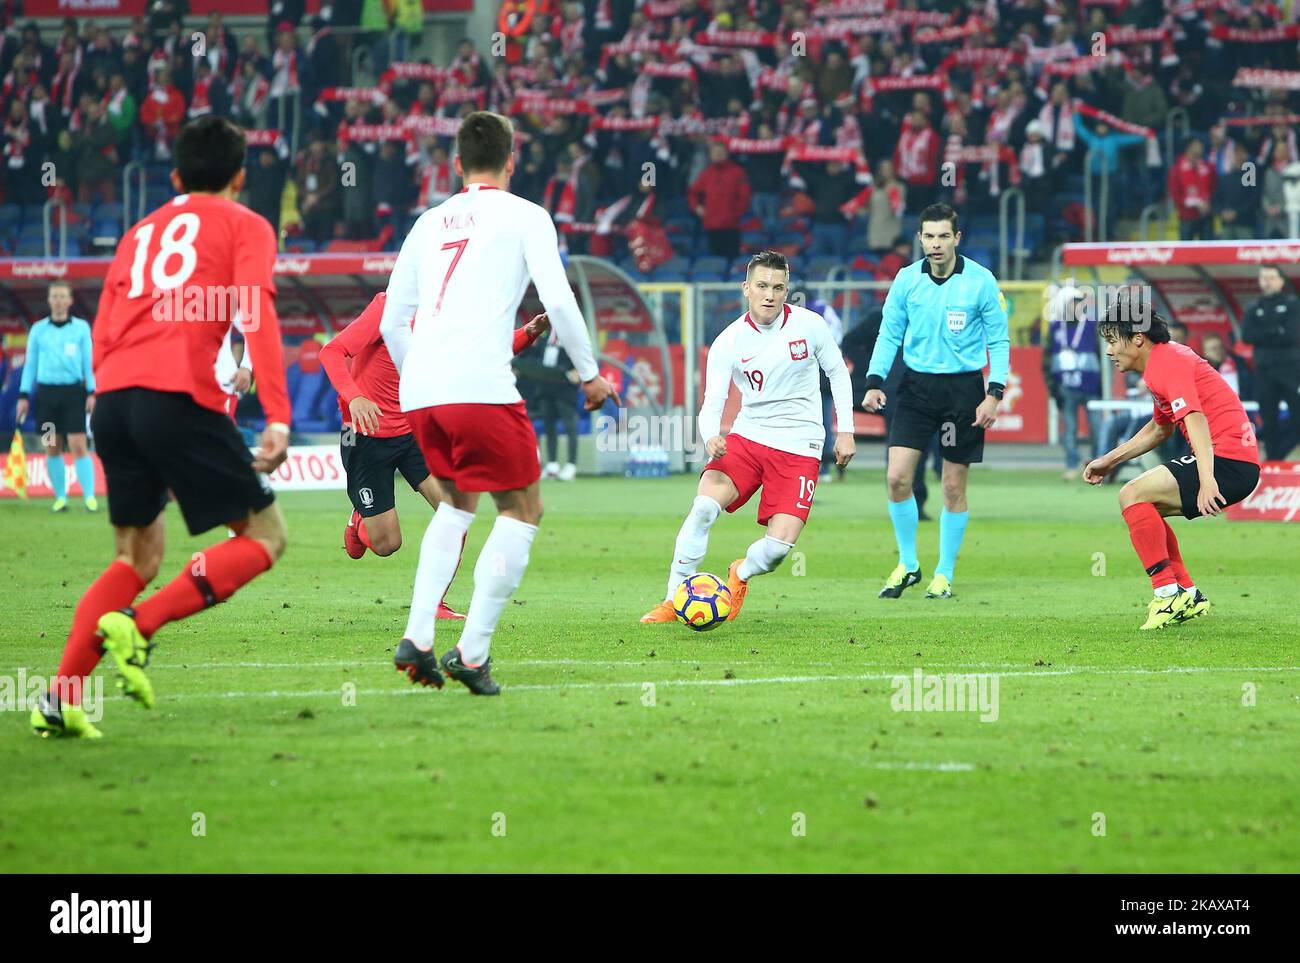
(216, 303)
(458, 222)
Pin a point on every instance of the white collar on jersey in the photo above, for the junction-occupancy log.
(767, 327)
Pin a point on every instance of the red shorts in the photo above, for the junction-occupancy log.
(480, 448)
(787, 480)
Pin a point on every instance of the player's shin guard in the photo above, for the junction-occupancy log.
(952, 529)
(692, 541)
(764, 556)
(116, 587)
(440, 551)
(905, 517)
(211, 576)
(1176, 559)
(497, 574)
(1146, 529)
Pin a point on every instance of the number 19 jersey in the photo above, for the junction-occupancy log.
(179, 279)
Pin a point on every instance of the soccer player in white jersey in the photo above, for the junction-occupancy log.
(462, 272)
(772, 354)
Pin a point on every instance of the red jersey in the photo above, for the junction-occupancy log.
(178, 280)
(1181, 381)
(372, 374)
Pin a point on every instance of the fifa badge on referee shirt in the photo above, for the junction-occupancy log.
(956, 320)
(798, 350)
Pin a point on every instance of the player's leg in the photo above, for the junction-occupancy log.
(1145, 502)
(715, 491)
(497, 573)
(904, 515)
(432, 492)
(56, 468)
(84, 466)
(201, 457)
(961, 443)
(369, 464)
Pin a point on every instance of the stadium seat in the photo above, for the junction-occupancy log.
(753, 241)
(819, 267)
(674, 269)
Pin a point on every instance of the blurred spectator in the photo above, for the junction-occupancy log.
(437, 180)
(1072, 369)
(1237, 203)
(530, 176)
(64, 155)
(283, 12)
(98, 159)
(317, 181)
(69, 83)
(550, 381)
(209, 95)
(219, 48)
(885, 208)
(766, 180)
(1191, 187)
(161, 115)
(899, 257)
(121, 110)
(324, 55)
(1222, 153)
(1036, 166)
(1231, 366)
(162, 13)
(288, 67)
(250, 96)
(267, 172)
(830, 186)
(1277, 201)
(916, 158)
(1271, 325)
(22, 158)
(720, 197)
(394, 187)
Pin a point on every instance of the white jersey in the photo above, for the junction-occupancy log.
(775, 367)
(462, 272)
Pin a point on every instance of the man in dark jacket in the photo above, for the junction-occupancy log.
(1272, 326)
(1236, 203)
(550, 381)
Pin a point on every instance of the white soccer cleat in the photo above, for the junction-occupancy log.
(552, 470)
(569, 472)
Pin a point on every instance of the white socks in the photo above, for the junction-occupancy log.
(692, 541)
(763, 557)
(440, 550)
(497, 574)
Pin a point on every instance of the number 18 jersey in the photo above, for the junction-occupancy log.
(179, 278)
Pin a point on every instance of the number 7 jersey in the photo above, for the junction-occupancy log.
(775, 367)
(179, 279)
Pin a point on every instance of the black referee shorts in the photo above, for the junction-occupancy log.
(370, 463)
(151, 441)
(943, 403)
(1236, 479)
(63, 406)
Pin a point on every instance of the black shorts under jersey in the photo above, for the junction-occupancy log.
(926, 404)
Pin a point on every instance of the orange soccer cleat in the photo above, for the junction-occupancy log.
(662, 612)
(445, 611)
(738, 587)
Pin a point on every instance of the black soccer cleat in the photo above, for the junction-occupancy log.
(900, 579)
(478, 680)
(417, 665)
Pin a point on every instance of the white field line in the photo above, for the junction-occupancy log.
(763, 680)
(381, 660)
(928, 766)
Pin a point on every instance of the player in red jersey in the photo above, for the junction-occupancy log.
(376, 439)
(1222, 469)
(179, 278)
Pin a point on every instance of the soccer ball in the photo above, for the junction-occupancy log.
(702, 602)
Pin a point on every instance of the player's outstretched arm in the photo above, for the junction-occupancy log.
(1151, 435)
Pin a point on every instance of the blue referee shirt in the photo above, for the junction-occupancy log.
(944, 326)
(58, 354)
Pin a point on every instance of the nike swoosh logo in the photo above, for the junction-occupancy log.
(749, 359)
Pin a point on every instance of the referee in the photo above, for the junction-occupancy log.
(58, 365)
(949, 317)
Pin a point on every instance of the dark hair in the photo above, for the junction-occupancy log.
(484, 142)
(1272, 267)
(768, 259)
(939, 212)
(209, 153)
(1125, 319)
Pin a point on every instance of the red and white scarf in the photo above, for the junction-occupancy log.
(201, 98)
(61, 89)
(285, 65)
(436, 183)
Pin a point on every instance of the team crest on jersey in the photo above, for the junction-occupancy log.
(956, 321)
(798, 350)
(367, 497)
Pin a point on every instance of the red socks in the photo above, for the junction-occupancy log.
(116, 588)
(210, 578)
(1147, 530)
(1176, 557)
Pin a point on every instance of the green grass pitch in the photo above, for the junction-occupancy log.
(283, 733)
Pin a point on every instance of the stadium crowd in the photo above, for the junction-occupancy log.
(814, 128)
